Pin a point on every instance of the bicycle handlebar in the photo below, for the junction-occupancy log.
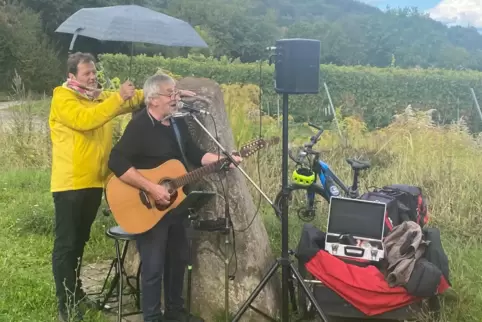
(307, 146)
(314, 126)
(316, 137)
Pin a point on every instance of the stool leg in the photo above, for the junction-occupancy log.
(112, 264)
(119, 267)
(118, 273)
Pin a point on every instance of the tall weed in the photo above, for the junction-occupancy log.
(443, 160)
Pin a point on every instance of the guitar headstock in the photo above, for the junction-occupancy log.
(251, 147)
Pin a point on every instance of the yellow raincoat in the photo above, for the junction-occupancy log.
(81, 133)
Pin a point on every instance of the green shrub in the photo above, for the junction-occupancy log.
(375, 94)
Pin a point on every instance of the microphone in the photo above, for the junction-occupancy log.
(176, 115)
(190, 109)
(184, 110)
(179, 114)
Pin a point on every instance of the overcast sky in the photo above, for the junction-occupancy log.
(452, 12)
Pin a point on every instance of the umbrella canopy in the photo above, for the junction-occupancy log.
(131, 23)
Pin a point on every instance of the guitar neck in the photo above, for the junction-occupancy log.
(193, 176)
(198, 174)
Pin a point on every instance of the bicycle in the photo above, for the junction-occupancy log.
(306, 175)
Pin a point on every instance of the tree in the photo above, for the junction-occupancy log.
(25, 49)
(233, 28)
(252, 249)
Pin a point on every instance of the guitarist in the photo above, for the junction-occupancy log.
(81, 134)
(147, 142)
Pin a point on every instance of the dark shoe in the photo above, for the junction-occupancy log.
(181, 316)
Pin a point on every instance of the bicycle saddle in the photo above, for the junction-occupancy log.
(358, 164)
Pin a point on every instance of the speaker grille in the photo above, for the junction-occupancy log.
(297, 67)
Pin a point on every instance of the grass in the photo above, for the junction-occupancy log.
(26, 239)
(445, 162)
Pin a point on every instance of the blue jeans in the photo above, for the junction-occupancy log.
(164, 255)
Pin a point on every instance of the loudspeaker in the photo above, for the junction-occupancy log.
(297, 66)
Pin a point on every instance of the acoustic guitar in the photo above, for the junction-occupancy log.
(135, 211)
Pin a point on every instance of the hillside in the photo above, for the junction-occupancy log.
(351, 33)
(292, 12)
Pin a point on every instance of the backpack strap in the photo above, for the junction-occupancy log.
(178, 139)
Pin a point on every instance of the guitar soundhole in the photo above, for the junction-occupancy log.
(173, 192)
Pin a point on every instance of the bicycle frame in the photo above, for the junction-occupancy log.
(326, 174)
(328, 179)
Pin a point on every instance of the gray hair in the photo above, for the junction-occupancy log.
(152, 84)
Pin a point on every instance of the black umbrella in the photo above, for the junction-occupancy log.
(131, 23)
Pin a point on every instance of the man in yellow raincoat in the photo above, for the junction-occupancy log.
(81, 133)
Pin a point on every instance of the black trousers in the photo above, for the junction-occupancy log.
(164, 255)
(75, 212)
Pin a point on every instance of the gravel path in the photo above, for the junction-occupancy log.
(5, 105)
(7, 118)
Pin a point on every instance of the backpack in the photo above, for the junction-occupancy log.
(392, 217)
(404, 203)
(411, 202)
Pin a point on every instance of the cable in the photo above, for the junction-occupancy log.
(226, 205)
(215, 131)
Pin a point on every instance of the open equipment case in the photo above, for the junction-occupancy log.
(354, 234)
(355, 229)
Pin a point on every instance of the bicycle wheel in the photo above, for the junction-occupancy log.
(307, 200)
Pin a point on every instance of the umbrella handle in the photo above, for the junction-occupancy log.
(130, 61)
(74, 38)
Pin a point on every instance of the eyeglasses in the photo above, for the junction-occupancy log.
(172, 94)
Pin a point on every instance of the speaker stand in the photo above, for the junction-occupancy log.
(284, 261)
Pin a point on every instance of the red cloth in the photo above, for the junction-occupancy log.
(363, 287)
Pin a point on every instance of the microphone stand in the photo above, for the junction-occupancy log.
(228, 221)
(228, 155)
(223, 150)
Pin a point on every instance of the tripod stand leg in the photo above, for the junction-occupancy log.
(255, 293)
(308, 293)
